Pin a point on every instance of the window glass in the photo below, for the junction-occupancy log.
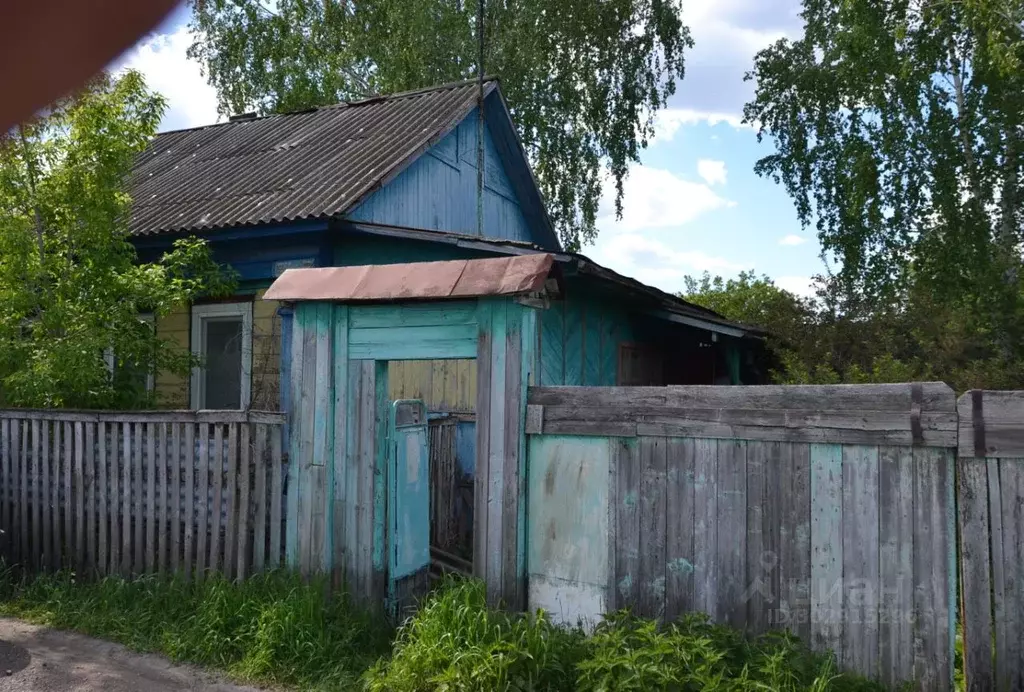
(222, 353)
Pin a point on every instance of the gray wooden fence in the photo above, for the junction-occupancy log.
(825, 510)
(141, 492)
(991, 516)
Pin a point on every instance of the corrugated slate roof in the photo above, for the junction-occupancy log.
(290, 167)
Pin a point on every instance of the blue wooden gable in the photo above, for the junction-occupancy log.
(438, 191)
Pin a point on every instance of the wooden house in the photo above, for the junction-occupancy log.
(392, 180)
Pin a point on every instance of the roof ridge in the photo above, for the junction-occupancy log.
(369, 100)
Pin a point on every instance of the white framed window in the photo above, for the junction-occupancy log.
(222, 338)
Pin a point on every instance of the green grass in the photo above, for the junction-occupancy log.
(271, 628)
(275, 628)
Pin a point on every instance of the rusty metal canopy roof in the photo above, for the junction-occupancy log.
(280, 168)
(415, 280)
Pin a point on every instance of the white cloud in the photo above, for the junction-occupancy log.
(792, 239)
(727, 34)
(713, 172)
(656, 263)
(667, 122)
(799, 285)
(161, 59)
(657, 198)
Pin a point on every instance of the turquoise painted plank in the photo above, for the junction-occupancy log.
(552, 346)
(827, 547)
(413, 343)
(380, 478)
(610, 330)
(415, 315)
(529, 328)
(573, 343)
(497, 449)
(295, 423)
(323, 443)
(592, 343)
(307, 402)
(339, 445)
(322, 413)
(409, 535)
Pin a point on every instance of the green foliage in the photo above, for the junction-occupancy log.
(455, 643)
(583, 79)
(835, 337)
(71, 290)
(627, 653)
(270, 628)
(897, 132)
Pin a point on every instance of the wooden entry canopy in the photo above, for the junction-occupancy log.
(473, 278)
(348, 323)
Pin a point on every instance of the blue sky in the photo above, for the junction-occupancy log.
(693, 204)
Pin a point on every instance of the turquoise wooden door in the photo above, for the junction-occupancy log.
(409, 502)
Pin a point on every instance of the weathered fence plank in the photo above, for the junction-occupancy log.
(217, 469)
(177, 459)
(48, 549)
(653, 475)
(103, 493)
(203, 487)
(705, 526)
(276, 493)
(895, 537)
(259, 540)
(679, 527)
(860, 558)
(231, 484)
(125, 459)
(102, 566)
(165, 500)
(91, 490)
(627, 522)
(827, 547)
(188, 458)
(244, 466)
(731, 527)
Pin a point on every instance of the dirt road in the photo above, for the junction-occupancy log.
(37, 659)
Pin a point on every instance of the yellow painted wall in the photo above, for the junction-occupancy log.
(444, 385)
(266, 354)
(172, 390)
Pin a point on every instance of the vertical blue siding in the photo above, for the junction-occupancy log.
(438, 191)
(579, 342)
